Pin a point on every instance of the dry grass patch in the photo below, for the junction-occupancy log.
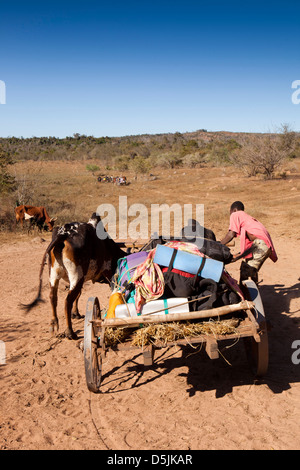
(163, 333)
(70, 192)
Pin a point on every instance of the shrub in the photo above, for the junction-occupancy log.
(7, 221)
(7, 181)
(121, 163)
(193, 159)
(169, 160)
(264, 154)
(92, 168)
(140, 165)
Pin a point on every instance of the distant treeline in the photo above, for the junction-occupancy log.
(140, 153)
(166, 149)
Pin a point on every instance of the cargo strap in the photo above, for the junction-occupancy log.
(170, 267)
(199, 270)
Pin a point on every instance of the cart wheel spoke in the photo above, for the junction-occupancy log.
(92, 351)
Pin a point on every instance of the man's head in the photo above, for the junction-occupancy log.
(237, 206)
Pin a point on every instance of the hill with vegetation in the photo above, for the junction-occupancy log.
(49, 170)
(141, 153)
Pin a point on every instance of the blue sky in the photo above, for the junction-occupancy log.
(121, 68)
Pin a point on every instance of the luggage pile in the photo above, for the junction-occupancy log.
(173, 276)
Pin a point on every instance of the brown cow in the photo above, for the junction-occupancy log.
(77, 253)
(36, 215)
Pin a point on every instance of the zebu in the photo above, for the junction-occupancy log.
(77, 255)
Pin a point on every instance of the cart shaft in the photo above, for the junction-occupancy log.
(215, 312)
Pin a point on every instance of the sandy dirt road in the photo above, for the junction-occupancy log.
(185, 401)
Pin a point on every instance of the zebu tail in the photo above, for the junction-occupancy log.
(27, 307)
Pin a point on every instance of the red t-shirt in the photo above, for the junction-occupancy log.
(240, 223)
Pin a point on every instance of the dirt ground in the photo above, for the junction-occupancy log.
(185, 401)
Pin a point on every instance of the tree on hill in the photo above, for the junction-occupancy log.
(265, 154)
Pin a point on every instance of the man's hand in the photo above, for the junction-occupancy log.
(228, 237)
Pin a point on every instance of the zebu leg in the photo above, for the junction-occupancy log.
(54, 277)
(31, 220)
(53, 301)
(76, 280)
(73, 294)
(75, 311)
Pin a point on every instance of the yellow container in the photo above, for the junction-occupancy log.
(114, 300)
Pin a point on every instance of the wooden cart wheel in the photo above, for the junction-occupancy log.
(92, 358)
(257, 352)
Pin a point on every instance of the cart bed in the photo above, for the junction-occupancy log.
(252, 328)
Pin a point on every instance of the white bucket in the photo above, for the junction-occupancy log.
(158, 307)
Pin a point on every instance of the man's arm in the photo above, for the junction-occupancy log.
(228, 237)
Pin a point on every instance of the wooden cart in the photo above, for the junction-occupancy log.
(252, 328)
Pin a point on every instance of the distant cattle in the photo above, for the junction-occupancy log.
(35, 215)
(118, 180)
(77, 254)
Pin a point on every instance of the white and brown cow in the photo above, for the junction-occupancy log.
(77, 254)
(37, 215)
